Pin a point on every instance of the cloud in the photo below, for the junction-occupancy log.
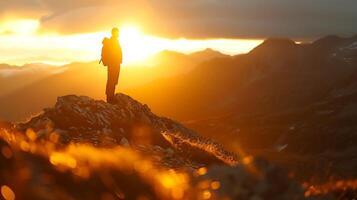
(94, 17)
(260, 18)
(21, 9)
(198, 18)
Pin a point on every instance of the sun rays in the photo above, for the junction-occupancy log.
(23, 42)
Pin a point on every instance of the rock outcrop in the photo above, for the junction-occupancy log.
(88, 149)
(80, 119)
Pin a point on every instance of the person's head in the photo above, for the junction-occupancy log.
(115, 32)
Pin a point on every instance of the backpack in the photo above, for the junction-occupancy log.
(105, 52)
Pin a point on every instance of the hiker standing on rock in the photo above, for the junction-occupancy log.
(112, 57)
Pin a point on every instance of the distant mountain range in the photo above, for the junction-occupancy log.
(25, 90)
(277, 75)
(15, 77)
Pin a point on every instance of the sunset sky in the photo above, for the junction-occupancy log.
(59, 32)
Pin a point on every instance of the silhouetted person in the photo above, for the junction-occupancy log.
(112, 57)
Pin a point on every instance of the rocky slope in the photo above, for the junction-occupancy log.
(80, 119)
(88, 149)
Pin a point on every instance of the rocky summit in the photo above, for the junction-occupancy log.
(80, 119)
(88, 149)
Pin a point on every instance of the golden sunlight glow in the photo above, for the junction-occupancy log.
(20, 37)
(21, 27)
(129, 33)
(134, 44)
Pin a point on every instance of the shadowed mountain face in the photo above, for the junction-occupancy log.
(275, 76)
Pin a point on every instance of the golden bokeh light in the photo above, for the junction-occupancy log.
(206, 194)
(25, 146)
(215, 185)
(6, 152)
(83, 159)
(7, 193)
(63, 159)
(202, 171)
(31, 134)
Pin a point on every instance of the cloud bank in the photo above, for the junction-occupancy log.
(194, 18)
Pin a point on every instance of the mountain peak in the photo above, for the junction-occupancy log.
(270, 45)
(332, 41)
(206, 54)
(208, 51)
(282, 42)
(169, 53)
(328, 40)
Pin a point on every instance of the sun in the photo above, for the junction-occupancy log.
(133, 42)
(129, 32)
(136, 45)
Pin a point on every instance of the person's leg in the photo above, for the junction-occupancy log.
(115, 74)
(110, 88)
(113, 77)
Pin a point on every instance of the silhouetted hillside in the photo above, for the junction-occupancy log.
(207, 54)
(275, 76)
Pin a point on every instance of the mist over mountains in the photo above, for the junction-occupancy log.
(37, 85)
(15, 77)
